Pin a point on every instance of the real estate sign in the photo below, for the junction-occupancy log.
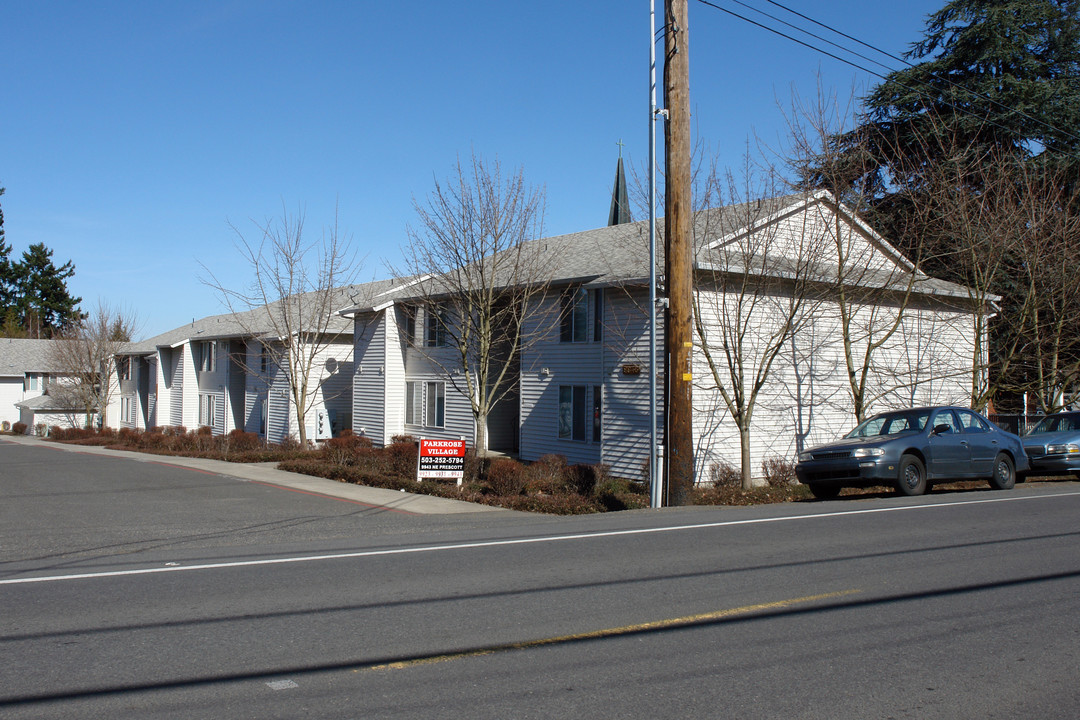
(441, 460)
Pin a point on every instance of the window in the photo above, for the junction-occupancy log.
(264, 359)
(946, 417)
(125, 409)
(414, 402)
(207, 409)
(575, 315)
(125, 368)
(425, 404)
(31, 382)
(597, 413)
(408, 323)
(972, 423)
(436, 405)
(435, 327)
(208, 356)
(572, 412)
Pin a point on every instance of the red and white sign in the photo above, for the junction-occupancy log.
(441, 460)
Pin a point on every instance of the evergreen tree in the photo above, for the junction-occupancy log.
(992, 75)
(7, 271)
(46, 305)
(953, 149)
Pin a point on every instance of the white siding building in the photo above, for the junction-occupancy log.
(581, 388)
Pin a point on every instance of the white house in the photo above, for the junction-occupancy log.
(580, 389)
(27, 370)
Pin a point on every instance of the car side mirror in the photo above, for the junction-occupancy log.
(942, 429)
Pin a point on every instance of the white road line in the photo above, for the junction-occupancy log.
(519, 541)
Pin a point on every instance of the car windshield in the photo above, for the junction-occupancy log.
(1057, 423)
(892, 424)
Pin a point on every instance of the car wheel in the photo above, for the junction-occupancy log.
(911, 479)
(824, 491)
(1004, 477)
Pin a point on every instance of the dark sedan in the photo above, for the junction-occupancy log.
(1053, 446)
(910, 449)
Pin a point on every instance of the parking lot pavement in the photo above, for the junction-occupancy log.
(268, 473)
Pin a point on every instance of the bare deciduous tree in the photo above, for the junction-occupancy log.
(1046, 289)
(872, 295)
(480, 278)
(754, 292)
(971, 217)
(290, 306)
(85, 355)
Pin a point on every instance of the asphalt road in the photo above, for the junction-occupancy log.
(143, 590)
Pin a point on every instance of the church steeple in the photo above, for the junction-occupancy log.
(620, 204)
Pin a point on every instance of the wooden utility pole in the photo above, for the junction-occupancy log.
(678, 436)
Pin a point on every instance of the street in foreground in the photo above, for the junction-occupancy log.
(136, 590)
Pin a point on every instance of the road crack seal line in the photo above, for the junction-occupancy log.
(669, 623)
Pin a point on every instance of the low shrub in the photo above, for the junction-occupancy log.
(722, 474)
(401, 456)
(41, 429)
(778, 471)
(547, 475)
(19, 428)
(506, 477)
(620, 494)
(241, 441)
(346, 449)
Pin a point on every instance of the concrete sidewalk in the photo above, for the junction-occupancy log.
(268, 473)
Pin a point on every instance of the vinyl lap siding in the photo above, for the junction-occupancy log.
(370, 378)
(176, 390)
(806, 400)
(332, 373)
(626, 397)
(546, 365)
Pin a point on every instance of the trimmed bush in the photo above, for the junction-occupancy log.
(19, 428)
(506, 477)
(546, 475)
(401, 456)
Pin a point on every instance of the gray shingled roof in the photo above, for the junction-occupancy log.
(253, 322)
(19, 356)
(619, 254)
(56, 400)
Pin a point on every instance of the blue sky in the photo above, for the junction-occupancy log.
(133, 133)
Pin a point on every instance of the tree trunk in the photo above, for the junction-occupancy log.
(744, 447)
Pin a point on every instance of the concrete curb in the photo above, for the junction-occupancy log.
(392, 500)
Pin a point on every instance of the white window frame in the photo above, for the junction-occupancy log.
(435, 321)
(425, 403)
(207, 409)
(435, 404)
(574, 326)
(208, 356)
(414, 403)
(573, 413)
(125, 409)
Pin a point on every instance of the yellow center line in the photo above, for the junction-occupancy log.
(612, 632)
